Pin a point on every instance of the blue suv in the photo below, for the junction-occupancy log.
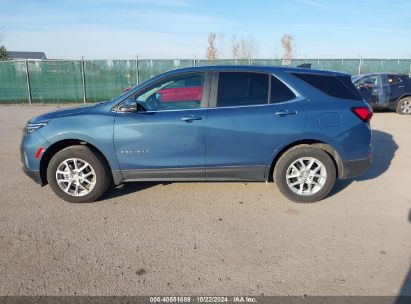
(299, 127)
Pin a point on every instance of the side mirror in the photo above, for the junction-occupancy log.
(128, 106)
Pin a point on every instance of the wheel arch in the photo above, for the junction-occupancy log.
(312, 142)
(60, 145)
(404, 96)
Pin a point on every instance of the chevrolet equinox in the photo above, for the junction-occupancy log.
(298, 127)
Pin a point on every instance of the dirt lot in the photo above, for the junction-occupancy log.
(209, 238)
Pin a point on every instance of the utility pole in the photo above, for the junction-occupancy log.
(137, 71)
(359, 66)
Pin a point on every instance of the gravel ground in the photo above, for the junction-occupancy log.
(209, 238)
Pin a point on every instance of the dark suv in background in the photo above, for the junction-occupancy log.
(385, 91)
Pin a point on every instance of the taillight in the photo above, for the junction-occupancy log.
(364, 113)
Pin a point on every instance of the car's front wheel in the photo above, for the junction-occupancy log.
(404, 106)
(305, 174)
(78, 175)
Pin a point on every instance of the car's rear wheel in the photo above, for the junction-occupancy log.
(305, 174)
(78, 175)
(404, 106)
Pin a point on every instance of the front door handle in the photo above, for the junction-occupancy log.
(285, 113)
(190, 118)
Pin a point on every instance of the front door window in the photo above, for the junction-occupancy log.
(177, 93)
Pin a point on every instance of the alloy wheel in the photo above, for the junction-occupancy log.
(306, 176)
(75, 177)
(406, 107)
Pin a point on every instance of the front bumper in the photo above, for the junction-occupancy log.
(30, 144)
(354, 168)
(34, 175)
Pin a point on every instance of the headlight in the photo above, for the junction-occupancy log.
(33, 126)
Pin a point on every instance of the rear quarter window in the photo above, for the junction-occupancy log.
(336, 86)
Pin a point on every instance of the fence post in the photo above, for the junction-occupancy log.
(83, 77)
(359, 66)
(28, 80)
(137, 72)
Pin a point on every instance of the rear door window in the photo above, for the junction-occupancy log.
(242, 89)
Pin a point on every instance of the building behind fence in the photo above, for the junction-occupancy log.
(63, 81)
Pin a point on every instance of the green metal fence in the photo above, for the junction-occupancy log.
(63, 81)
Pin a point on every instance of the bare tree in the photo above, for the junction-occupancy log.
(3, 51)
(245, 48)
(287, 43)
(222, 46)
(235, 47)
(211, 52)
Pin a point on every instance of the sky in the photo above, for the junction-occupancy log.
(124, 29)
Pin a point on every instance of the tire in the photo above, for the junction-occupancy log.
(81, 187)
(289, 178)
(404, 106)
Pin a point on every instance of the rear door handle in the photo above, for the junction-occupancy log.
(285, 113)
(190, 118)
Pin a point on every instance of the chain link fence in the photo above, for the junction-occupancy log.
(80, 81)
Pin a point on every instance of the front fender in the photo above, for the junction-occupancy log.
(94, 129)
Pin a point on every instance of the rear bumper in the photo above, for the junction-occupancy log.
(389, 105)
(354, 168)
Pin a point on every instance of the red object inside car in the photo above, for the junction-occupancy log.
(181, 94)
